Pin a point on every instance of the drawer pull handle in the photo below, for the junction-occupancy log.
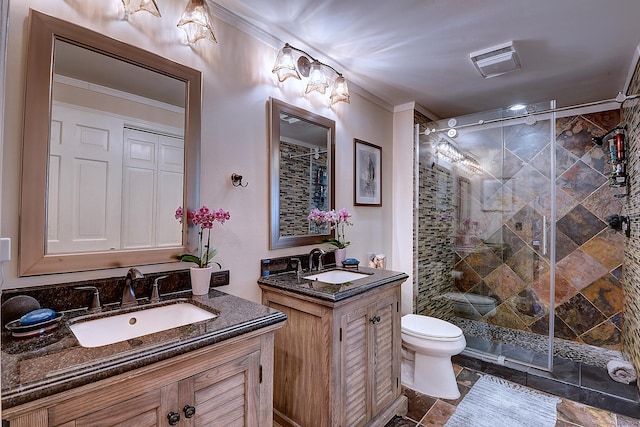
(189, 411)
(173, 418)
(375, 320)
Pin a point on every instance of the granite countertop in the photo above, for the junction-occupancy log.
(288, 281)
(37, 367)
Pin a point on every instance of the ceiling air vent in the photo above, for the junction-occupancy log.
(496, 60)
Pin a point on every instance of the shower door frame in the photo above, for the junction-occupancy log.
(548, 237)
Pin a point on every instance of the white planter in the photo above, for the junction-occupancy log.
(341, 255)
(200, 280)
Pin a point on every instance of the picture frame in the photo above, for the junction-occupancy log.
(367, 170)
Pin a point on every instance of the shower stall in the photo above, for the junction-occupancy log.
(509, 211)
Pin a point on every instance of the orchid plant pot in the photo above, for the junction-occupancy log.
(200, 280)
(340, 255)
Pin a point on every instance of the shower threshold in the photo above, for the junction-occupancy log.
(506, 354)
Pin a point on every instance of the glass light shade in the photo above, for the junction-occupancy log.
(317, 79)
(449, 151)
(196, 23)
(133, 6)
(285, 65)
(340, 91)
(470, 165)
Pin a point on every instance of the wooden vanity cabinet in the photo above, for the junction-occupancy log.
(337, 363)
(227, 384)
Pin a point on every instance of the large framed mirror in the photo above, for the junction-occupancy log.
(111, 150)
(302, 153)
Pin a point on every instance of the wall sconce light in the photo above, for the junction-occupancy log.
(470, 166)
(236, 180)
(133, 6)
(196, 22)
(307, 66)
(449, 151)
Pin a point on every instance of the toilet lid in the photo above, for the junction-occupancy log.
(429, 327)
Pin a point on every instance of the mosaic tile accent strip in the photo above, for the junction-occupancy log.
(435, 242)
(631, 271)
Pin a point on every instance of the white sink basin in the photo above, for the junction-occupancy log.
(121, 327)
(336, 277)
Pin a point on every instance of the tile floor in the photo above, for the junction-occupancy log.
(425, 411)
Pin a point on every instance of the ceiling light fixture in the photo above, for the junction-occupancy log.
(516, 107)
(196, 22)
(133, 6)
(307, 66)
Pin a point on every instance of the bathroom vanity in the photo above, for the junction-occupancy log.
(213, 372)
(337, 359)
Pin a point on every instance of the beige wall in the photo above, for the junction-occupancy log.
(237, 85)
(403, 186)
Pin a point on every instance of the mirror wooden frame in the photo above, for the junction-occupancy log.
(276, 108)
(33, 259)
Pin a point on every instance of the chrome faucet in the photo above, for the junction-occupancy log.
(321, 253)
(128, 296)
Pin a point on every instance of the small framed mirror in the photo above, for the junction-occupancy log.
(302, 153)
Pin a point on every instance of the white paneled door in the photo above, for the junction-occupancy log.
(111, 186)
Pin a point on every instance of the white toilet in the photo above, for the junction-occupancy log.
(428, 344)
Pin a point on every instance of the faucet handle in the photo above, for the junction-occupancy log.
(155, 294)
(320, 257)
(95, 303)
(299, 264)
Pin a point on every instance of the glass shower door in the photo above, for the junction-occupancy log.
(485, 206)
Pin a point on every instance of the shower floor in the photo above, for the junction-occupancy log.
(530, 348)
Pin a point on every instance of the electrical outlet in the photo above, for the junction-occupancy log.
(5, 249)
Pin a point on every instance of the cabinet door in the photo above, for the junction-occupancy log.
(355, 367)
(227, 395)
(147, 410)
(369, 360)
(383, 333)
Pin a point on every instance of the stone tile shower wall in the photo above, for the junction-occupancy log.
(631, 330)
(506, 266)
(434, 245)
(509, 265)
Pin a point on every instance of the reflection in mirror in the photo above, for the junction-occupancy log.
(116, 154)
(111, 143)
(302, 156)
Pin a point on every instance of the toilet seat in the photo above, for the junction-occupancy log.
(429, 328)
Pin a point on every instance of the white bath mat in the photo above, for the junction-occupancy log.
(495, 402)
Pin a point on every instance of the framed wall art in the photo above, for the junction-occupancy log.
(367, 178)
